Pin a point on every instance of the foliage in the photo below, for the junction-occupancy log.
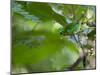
(48, 36)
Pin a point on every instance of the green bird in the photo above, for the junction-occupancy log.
(70, 29)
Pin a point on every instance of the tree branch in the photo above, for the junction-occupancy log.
(80, 58)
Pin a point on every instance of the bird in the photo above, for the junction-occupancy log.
(71, 28)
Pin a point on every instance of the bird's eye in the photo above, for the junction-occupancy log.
(61, 33)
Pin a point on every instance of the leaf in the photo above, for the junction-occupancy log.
(92, 35)
(43, 11)
(74, 12)
(61, 60)
(39, 50)
(22, 23)
(17, 8)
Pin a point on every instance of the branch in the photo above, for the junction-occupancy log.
(72, 67)
(84, 54)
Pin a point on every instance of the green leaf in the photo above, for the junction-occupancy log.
(22, 24)
(17, 8)
(33, 47)
(43, 11)
(92, 35)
